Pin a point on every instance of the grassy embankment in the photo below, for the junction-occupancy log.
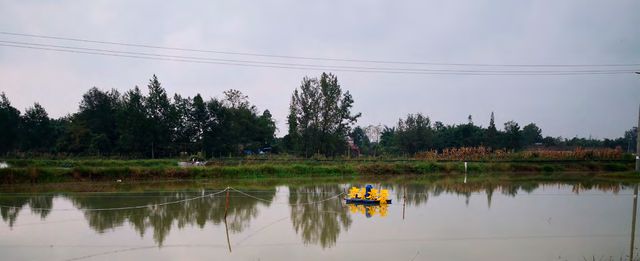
(41, 170)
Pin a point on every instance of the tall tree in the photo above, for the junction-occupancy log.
(491, 133)
(630, 138)
(387, 140)
(159, 111)
(469, 134)
(233, 126)
(414, 134)
(36, 130)
(213, 138)
(293, 138)
(98, 113)
(360, 139)
(512, 135)
(531, 134)
(9, 123)
(133, 124)
(184, 129)
(199, 118)
(235, 99)
(265, 129)
(323, 115)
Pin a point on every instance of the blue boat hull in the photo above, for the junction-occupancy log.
(365, 201)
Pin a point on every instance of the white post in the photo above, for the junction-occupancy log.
(465, 167)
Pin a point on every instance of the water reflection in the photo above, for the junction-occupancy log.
(160, 219)
(39, 204)
(319, 223)
(418, 193)
(369, 210)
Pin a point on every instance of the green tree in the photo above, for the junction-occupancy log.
(491, 133)
(512, 135)
(293, 138)
(360, 139)
(469, 134)
(213, 139)
(551, 141)
(184, 128)
(36, 129)
(232, 126)
(161, 118)
(265, 129)
(323, 115)
(9, 125)
(199, 117)
(76, 137)
(98, 113)
(531, 134)
(235, 99)
(133, 124)
(630, 138)
(59, 128)
(414, 134)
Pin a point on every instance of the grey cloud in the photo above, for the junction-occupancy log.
(544, 32)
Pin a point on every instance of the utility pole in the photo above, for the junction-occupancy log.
(633, 221)
(635, 190)
(638, 143)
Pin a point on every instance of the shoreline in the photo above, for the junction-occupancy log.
(66, 170)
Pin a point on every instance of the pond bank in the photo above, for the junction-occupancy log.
(63, 171)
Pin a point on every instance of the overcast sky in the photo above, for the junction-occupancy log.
(487, 32)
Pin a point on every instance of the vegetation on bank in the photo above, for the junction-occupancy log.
(137, 125)
(475, 182)
(95, 170)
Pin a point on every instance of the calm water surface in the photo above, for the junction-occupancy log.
(280, 220)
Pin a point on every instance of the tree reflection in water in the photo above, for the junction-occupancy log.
(160, 218)
(419, 193)
(39, 204)
(319, 223)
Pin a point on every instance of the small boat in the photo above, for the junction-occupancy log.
(366, 201)
(368, 196)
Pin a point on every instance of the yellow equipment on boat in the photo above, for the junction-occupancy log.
(368, 195)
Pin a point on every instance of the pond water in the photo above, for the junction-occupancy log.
(306, 220)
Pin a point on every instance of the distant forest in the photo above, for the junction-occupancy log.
(320, 121)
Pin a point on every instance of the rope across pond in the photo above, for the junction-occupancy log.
(298, 204)
(169, 203)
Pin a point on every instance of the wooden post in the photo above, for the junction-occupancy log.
(226, 206)
(404, 203)
(226, 228)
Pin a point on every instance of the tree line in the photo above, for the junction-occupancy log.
(137, 125)
(320, 122)
(417, 133)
